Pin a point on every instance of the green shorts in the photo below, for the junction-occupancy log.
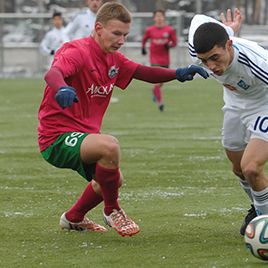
(65, 153)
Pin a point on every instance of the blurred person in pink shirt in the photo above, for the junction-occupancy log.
(162, 37)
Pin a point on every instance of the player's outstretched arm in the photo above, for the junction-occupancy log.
(234, 21)
(160, 75)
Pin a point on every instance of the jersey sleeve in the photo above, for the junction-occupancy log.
(260, 71)
(72, 27)
(44, 45)
(173, 38)
(195, 23)
(126, 71)
(254, 57)
(145, 37)
(65, 37)
(69, 60)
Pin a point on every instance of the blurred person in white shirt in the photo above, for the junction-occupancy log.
(54, 38)
(83, 23)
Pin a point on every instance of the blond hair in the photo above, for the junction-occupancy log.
(113, 11)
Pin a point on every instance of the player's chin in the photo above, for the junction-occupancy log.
(114, 48)
(218, 73)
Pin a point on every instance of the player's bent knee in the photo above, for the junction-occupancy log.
(100, 148)
(110, 152)
(112, 148)
(250, 172)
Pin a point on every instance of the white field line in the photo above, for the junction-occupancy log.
(220, 211)
(15, 214)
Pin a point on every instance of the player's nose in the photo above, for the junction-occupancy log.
(211, 65)
(122, 40)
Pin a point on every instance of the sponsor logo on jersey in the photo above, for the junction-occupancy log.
(159, 41)
(230, 87)
(243, 84)
(165, 34)
(113, 72)
(99, 91)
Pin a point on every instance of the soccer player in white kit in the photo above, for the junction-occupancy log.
(241, 66)
(55, 37)
(83, 23)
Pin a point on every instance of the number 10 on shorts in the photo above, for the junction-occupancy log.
(261, 124)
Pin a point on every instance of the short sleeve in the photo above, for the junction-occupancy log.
(72, 27)
(44, 46)
(69, 60)
(126, 71)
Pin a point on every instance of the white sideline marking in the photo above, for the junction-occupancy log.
(209, 138)
(195, 214)
(114, 100)
(9, 214)
(221, 211)
(205, 158)
(149, 195)
(16, 188)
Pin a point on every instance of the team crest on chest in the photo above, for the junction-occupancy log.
(113, 72)
(243, 84)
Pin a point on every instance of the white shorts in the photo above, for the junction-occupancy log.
(239, 126)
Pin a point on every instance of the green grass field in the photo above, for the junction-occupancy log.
(178, 185)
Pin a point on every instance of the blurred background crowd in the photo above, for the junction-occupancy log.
(23, 24)
(255, 10)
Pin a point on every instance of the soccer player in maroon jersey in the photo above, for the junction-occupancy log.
(79, 86)
(162, 38)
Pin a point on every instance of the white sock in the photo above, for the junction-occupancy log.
(261, 201)
(244, 184)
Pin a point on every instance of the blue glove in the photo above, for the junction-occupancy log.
(167, 46)
(188, 73)
(65, 96)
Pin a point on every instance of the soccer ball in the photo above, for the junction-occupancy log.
(256, 237)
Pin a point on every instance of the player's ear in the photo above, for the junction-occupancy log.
(229, 43)
(98, 28)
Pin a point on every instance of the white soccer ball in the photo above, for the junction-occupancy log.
(256, 237)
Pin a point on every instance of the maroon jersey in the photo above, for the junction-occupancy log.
(159, 54)
(93, 73)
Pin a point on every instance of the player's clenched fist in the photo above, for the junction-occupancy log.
(188, 73)
(65, 96)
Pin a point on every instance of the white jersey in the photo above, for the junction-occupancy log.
(248, 72)
(53, 40)
(82, 25)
